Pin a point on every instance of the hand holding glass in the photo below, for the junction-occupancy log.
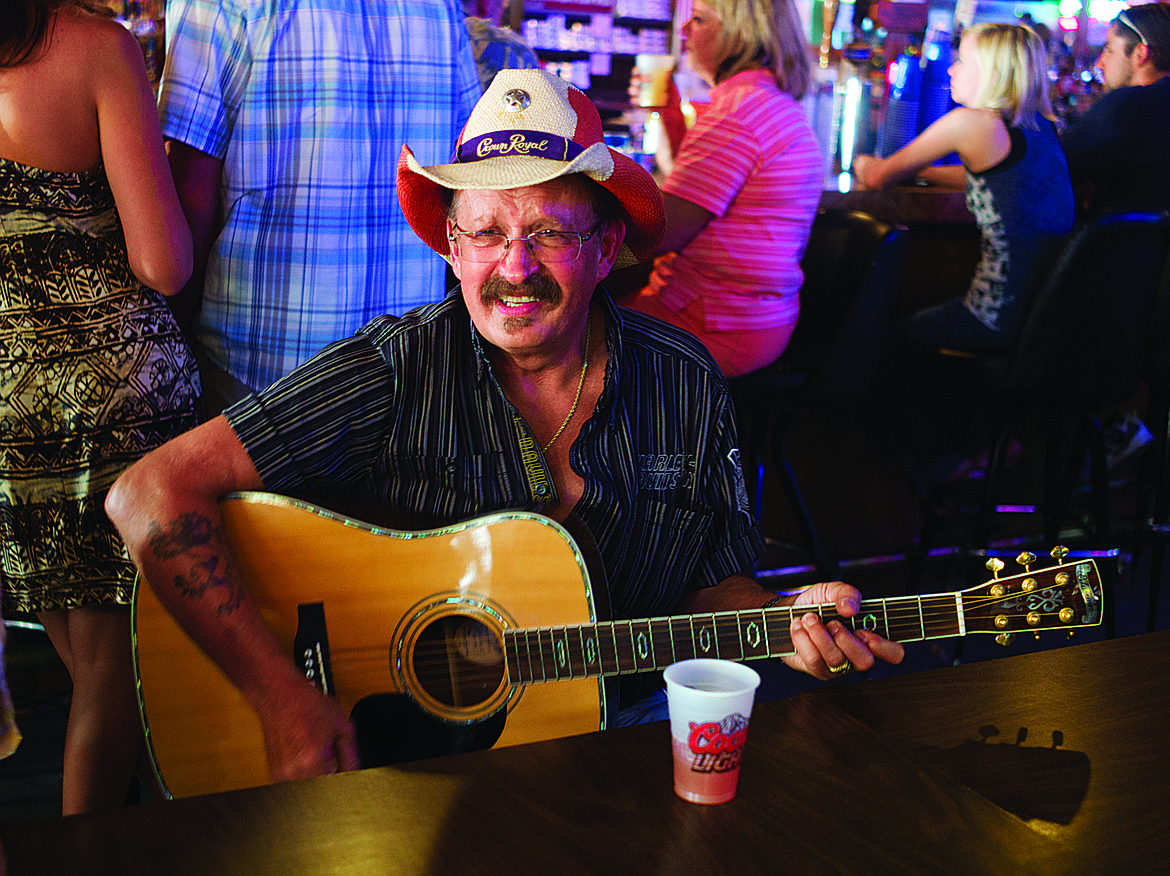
(653, 74)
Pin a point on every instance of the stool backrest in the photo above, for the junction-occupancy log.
(852, 272)
(1087, 334)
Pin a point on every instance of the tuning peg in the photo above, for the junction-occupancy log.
(1058, 553)
(1026, 559)
(1004, 639)
(995, 565)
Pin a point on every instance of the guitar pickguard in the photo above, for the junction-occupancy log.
(391, 728)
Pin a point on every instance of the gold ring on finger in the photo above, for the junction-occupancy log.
(844, 669)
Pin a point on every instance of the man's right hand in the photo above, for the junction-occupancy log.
(305, 732)
(166, 507)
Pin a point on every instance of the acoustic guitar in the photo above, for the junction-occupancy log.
(480, 635)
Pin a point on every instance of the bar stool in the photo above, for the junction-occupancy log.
(1155, 479)
(852, 270)
(1083, 347)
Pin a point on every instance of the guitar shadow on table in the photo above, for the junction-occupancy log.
(1029, 781)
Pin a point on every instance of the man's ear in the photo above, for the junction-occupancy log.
(1141, 55)
(451, 252)
(612, 237)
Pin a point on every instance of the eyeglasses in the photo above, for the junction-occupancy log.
(1123, 17)
(549, 247)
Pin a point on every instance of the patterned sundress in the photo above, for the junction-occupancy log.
(94, 372)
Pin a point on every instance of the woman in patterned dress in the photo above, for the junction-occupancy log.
(93, 369)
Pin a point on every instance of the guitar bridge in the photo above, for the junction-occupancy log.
(311, 646)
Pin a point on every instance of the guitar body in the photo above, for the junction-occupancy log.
(393, 603)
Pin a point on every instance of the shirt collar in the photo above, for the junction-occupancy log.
(743, 79)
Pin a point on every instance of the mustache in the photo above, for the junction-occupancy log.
(537, 286)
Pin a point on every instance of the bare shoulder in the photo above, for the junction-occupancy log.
(982, 139)
(976, 121)
(98, 41)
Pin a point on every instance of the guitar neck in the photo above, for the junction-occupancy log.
(621, 647)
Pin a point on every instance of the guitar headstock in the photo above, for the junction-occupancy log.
(1066, 596)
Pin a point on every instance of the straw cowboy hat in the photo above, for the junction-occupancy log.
(528, 128)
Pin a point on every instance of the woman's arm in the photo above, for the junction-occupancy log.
(953, 175)
(197, 179)
(684, 221)
(978, 136)
(158, 240)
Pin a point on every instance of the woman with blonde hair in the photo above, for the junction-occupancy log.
(93, 369)
(743, 189)
(1016, 178)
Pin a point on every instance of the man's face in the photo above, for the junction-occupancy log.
(519, 304)
(1117, 67)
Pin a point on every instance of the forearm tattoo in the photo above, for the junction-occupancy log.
(193, 537)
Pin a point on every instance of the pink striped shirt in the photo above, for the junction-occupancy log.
(753, 161)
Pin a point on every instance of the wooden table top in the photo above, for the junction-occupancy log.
(1052, 762)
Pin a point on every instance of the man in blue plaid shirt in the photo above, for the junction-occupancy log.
(284, 122)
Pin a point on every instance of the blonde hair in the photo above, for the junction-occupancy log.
(763, 34)
(1013, 72)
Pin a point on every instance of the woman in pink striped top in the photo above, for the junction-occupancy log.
(744, 188)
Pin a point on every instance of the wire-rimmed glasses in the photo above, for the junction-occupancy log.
(548, 246)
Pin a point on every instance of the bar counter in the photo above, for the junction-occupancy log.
(909, 205)
(1052, 762)
(943, 243)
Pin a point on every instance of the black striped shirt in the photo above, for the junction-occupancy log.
(408, 413)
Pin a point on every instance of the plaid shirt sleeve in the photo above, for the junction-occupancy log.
(206, 71)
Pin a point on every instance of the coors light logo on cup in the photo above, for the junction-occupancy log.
(716, 747)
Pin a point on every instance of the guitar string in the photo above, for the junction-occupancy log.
(909, 613)
(903, 608)
(908, 610)
(424, 656)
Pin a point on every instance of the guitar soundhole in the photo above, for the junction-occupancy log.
(458, 661)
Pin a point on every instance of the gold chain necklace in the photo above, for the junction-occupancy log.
(580, 384)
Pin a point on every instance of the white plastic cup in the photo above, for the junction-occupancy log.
(710, 702)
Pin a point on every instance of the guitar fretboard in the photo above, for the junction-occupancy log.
(620, 647)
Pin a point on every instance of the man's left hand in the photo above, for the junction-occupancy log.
(831, 650)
